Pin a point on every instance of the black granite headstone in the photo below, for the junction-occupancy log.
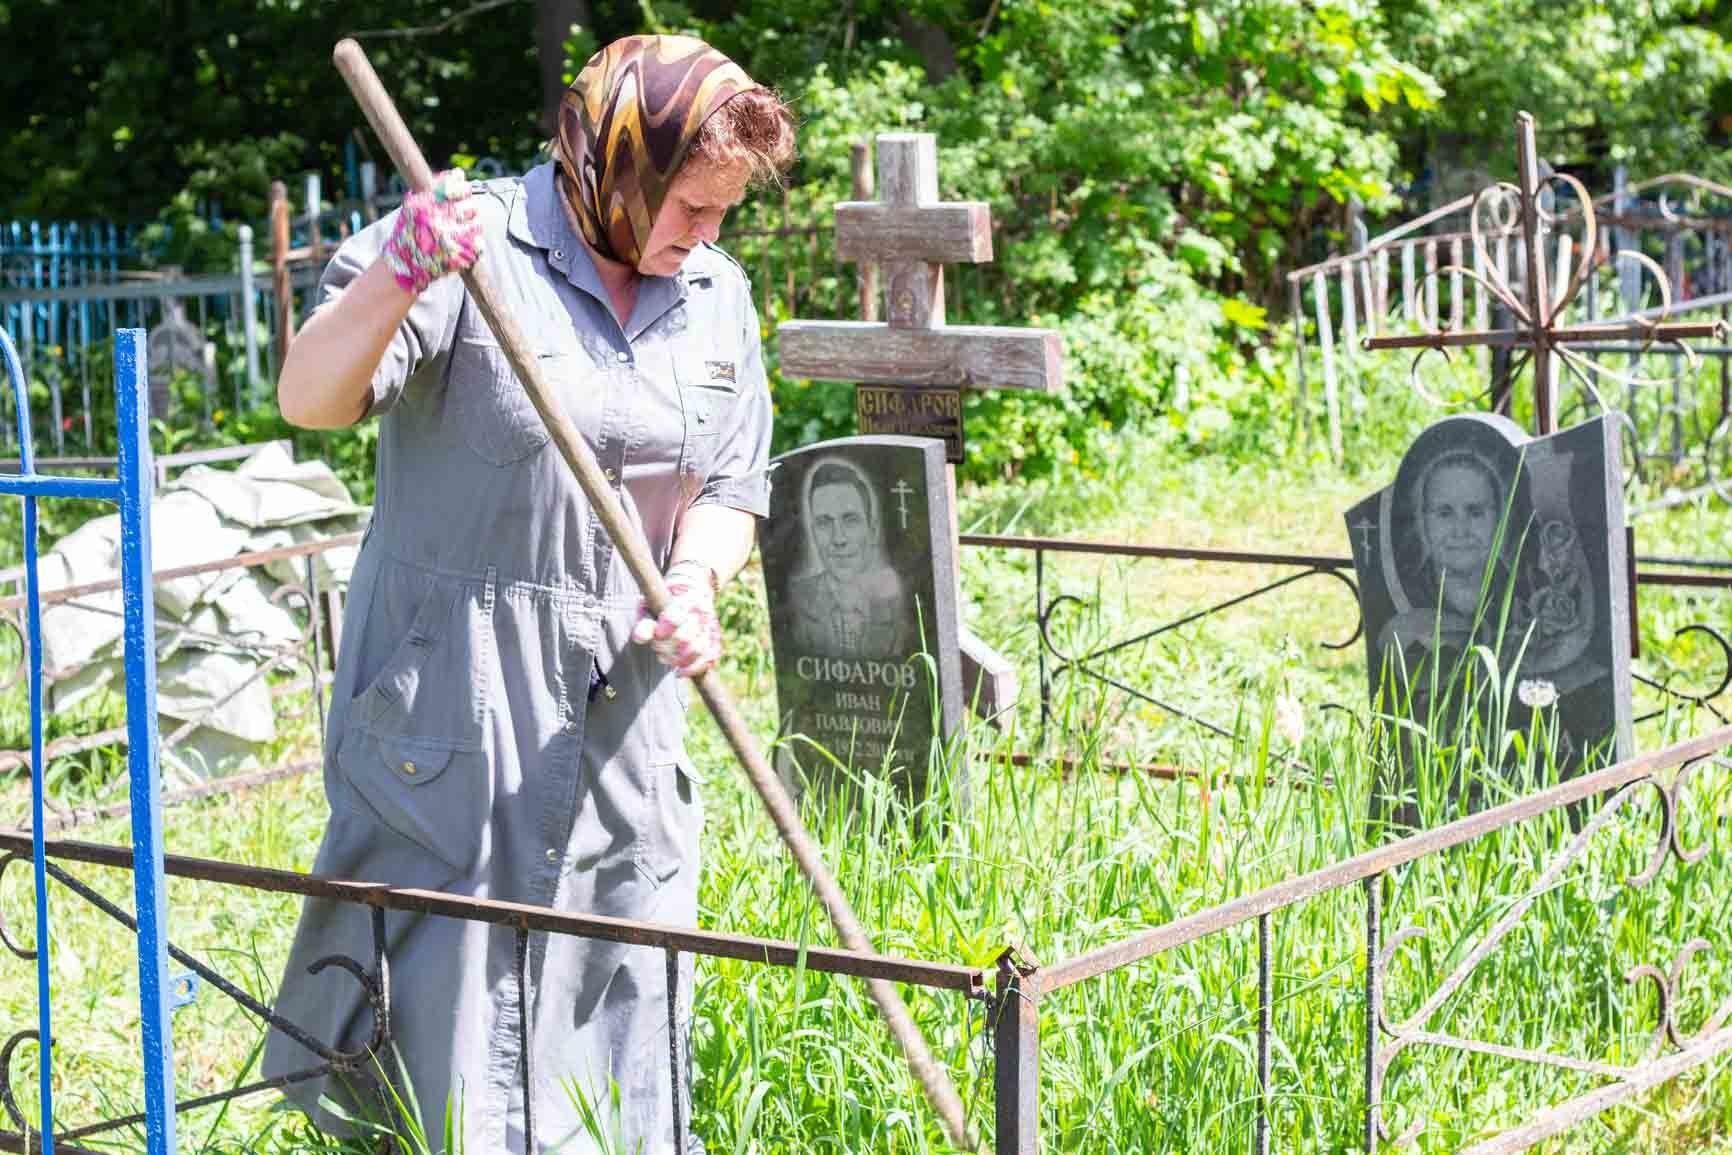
(860, 572)
(1490, 543)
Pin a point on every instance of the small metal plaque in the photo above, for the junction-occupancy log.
(912, 411)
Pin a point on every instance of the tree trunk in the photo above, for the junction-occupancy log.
(553, 21)
(932, 42)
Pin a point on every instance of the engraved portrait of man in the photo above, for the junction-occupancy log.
(847, 601)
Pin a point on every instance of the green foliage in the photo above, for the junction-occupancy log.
(1642, 82)
(1153, 167)
(1150, 168)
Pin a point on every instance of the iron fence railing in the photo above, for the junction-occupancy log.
(215, 333)
(1438, 271)
(1056, 661)
(1014, 1000)
(1024, 986)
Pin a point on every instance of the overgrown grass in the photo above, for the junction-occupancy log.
(1064, 855)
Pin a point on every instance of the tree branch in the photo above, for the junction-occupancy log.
(432, 29)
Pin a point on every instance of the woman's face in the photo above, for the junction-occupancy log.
(843, 528)
(700, 196)
(1459, 520)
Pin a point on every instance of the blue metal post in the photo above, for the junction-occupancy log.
(38, 807)
(149, 889)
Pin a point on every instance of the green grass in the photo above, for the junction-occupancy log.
(1160, 1057)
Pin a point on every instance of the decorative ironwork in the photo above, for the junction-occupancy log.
(335, 1060)
(1539, 331)
(1413, 1031)
(1056, 661)
(1087, 664)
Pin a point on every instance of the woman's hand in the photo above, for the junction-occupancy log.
(687, 637)
(436, 234)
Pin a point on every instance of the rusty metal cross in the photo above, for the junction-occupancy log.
(1539, 306)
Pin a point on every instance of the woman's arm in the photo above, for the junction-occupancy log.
(326, 379)
(715, 536)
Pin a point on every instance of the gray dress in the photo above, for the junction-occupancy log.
(471, 747)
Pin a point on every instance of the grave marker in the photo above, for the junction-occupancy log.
(912, 235)
(860, 571)
(1480, 516)
(176, 344)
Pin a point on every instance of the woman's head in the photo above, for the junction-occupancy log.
(1461, 502)
(658, 137)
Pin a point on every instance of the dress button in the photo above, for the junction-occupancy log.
(610, 475)
(609, 692)
(571, 726)
(552, 854)
(559, 254)
(409, 769)
(624, 357)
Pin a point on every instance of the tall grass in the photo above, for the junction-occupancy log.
(1060, 856)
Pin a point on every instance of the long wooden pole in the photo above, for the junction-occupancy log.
(381, 113)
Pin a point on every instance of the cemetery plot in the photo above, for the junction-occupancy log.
(1249, 945)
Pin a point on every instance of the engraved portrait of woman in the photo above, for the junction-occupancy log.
(1481, 555)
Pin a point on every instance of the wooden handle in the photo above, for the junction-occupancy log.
(382, 114)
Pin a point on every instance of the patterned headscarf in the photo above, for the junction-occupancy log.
(626, 124)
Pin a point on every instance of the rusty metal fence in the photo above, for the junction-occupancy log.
(1015, 999)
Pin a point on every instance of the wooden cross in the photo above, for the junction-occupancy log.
(913, 235)
(1539, 309)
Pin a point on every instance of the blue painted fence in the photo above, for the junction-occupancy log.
(131, 490)
(67, 289)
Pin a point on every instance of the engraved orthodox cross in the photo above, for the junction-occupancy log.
(913, 235)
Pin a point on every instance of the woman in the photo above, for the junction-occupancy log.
(494, 732)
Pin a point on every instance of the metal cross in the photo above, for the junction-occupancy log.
(1537, 308)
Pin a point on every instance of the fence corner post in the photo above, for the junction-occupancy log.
(249, 318)
(280, 286)
(1016, 1054)
(150, 891)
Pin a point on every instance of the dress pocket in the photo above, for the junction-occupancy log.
(708, 395)
(672, 824)
(491, 410)
(434, 683)
(431, 792)
(414, 740)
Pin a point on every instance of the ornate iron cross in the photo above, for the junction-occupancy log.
(1538, 309)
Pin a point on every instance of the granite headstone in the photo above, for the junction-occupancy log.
(1490, 542)
(175, 344)
(860, 572)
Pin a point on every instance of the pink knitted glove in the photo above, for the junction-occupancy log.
(436, 233)
(687, 637)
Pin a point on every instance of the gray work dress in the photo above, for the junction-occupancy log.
(472, 746)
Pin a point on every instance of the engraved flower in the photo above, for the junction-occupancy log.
(1537, 693)
(1557, 609)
